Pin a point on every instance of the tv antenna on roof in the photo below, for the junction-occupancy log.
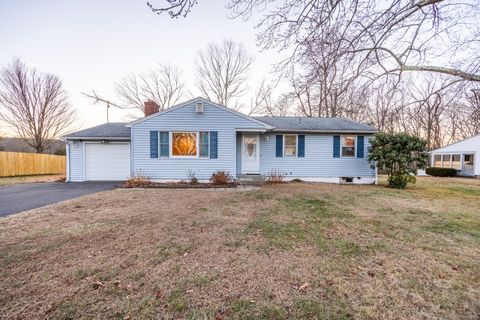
(97, 99)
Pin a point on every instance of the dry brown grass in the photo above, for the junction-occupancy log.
(304, 251)
(28, 179)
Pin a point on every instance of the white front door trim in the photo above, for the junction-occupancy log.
(250, 160)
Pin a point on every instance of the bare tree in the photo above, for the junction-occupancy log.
(34, 104)
(175, 8)
(394, 36)
(222, 71)
(386, 105)
(378, 37)
(163, 85)
(262, 98)
(470, 117)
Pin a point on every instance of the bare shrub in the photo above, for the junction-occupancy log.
(137, 180)
(192, 179)
(276, 176)
(221, 177)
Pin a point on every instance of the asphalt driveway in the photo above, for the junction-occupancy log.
(22, 197)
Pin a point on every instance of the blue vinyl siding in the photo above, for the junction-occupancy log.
(212, 119)
(319, 161)
(75, 162)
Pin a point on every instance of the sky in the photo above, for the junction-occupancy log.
(90, 44)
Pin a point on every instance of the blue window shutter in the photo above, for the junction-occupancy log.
(279, 146)
(213, 144)
(360, 146)
(336, 146)
(153, 144)
(301, 145)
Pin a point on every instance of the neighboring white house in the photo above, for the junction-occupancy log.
(464, 156)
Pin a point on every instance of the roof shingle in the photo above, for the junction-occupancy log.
(107, 130)
(118, 130)
(316, 124)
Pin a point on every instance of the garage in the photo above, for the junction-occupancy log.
(107, 161)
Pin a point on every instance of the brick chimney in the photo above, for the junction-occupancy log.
(150, 107)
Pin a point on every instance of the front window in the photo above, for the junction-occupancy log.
(446, 161)
(184, 144)
(348, 146)
(164, 144)
(290, 145)
(456, 164)
(437, 161)
(204, 143)
(468, 159)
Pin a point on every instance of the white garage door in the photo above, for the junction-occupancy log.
(107, 161)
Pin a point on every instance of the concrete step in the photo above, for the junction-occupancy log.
(252, 179)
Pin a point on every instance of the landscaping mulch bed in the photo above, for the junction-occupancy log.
(180, 185)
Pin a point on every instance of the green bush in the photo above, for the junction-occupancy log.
(400, 155)
(399, 180)
(441, 172)
(60, 152)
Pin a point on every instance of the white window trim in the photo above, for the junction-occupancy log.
(296, 145)
(197, 141)
(354, 146)
(442, 162)
(184, 157)
(451, 160)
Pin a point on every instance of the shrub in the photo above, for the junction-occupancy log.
(137, 180)
(192, 179)
(221, 178)
(60, 152)
(276, 176)
(399, 180)
(400, 155)
(441, 172)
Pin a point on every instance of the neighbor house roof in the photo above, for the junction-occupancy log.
(465, 145)
(311, 124)
(112, 130)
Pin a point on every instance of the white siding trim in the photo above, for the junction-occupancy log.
(68, 161)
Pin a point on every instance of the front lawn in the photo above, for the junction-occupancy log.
(293, 251)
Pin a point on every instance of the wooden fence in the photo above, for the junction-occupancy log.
(22, 164)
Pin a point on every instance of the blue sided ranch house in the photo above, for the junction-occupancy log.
(202, 137)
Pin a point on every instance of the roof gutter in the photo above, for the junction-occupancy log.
(96, 138)
(324, 131)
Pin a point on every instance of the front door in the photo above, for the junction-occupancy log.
(468, 165)
(251, 154)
